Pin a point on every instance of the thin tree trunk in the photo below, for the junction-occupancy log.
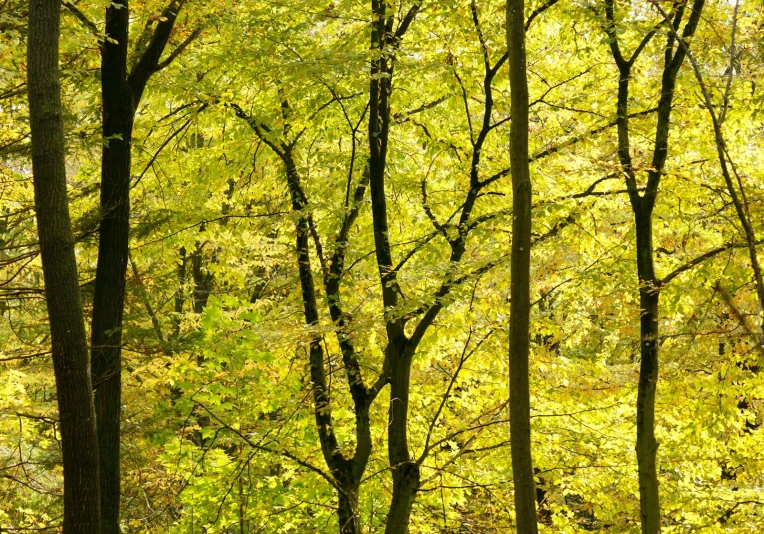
(642, 206)
(399, 350)
(121, 94)
(738, 200)
(67, 326)
(647, 445)
(346, 472)
(520, 307)
(109, 294)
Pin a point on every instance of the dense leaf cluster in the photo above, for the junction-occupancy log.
(271, 326)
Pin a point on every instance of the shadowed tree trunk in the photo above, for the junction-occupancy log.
(346, 472)
(642, 207)
(520, 306)
(67, 326)
(399, 349)
(106, 326)
(121, 94)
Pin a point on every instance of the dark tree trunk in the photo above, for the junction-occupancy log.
(642, 205)
(346, 473)
(520, 307)
(67, 326)
(121, 94)
(405, 472)
(399, 350)
(647, 446)
(203, 279)
(109, 295)
(347, 511)
(348, 516)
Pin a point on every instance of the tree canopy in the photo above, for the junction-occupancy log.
(295, 232)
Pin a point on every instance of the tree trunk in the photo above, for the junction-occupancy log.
(647, 445)
(121, 92)
(347, 508)
(67, 326)
(405, 472)
(642, 206)
(519, 338)
(111, 269)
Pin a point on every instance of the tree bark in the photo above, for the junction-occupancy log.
(346, 472)
(111, 268)
(519, 337)
(67, 326)
(647, 445)
(399, 349)
(642, 206)
(405, 472)
(120, 94)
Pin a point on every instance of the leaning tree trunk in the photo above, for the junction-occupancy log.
(519, 338)
(67, 326)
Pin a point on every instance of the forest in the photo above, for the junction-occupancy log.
(400, 266)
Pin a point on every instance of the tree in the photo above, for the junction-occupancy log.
(642, 206)
(67, 326)
(121, 92)
(519, 333)
(255, 336)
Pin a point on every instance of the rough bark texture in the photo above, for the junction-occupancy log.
(69, 341)
(642, 206)
(519, 337)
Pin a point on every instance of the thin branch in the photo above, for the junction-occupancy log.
(180, 48)
(700, 259)
(538, 11)
(402, 117)
(89, 24)
(145, 299)
(731, 66)
(256, 446)
(164, 144)
(406, 22)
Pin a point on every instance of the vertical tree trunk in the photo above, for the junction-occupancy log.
(647, 445)
(519, 338)
(399, 350)
(642, 206)
(346, 472)
(121, 93)
(67, 326)
(111, 269)
(347, 505)
(405, 472)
